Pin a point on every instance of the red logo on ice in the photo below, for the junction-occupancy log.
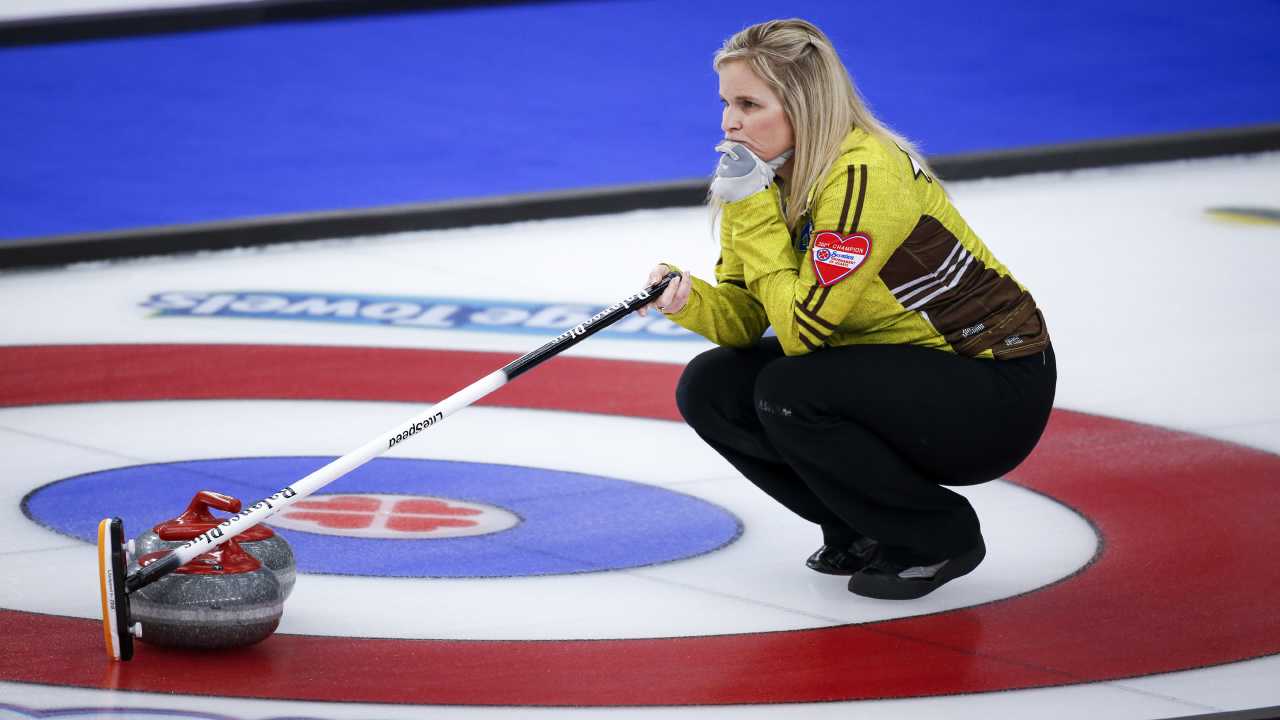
(836, 257)
(371, 515)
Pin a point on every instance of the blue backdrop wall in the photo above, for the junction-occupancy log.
(427, 106)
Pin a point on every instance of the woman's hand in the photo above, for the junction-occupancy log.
(673, 298)
(741, 174)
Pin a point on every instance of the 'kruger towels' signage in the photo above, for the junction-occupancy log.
(410, 312)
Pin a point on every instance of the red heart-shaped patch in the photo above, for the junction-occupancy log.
(836, 257)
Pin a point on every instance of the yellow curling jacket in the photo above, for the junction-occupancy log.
(883, 257)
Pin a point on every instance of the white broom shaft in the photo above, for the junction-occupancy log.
(263, 509)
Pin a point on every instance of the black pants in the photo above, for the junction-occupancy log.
(861, 439)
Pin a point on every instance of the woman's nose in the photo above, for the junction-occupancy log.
(729, 120)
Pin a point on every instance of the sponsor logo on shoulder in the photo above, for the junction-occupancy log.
(411, 312)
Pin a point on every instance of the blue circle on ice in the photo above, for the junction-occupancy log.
(564, 522)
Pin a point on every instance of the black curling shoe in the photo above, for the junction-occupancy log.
(831, 560)
(885, 580)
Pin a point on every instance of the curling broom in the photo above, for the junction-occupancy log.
(116, 585)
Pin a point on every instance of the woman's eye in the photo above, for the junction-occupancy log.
(748, 103)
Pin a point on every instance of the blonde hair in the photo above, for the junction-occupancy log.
(818, 97)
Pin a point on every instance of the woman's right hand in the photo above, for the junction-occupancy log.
(672, 299)
(741, 174)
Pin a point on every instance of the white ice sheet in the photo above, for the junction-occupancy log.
(1159, 313)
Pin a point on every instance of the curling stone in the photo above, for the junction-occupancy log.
(224, 598)
(259, 541)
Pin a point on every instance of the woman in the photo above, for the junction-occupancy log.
(906, 357)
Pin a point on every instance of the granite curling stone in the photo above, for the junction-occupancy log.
(224, 598)
(259, 541)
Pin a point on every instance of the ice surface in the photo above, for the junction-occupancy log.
(1158, 313)
(756, 584)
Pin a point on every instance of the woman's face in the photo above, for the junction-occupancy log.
(753, 113)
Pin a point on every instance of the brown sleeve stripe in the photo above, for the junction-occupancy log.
(848, 198)
(820, 336)
(814, 317)
(738, 283)
(862, 195)
(822, 297)
(809, 343)
(812, 289)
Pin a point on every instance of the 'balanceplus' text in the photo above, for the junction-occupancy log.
(410, 312)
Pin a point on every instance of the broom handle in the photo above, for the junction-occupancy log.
(263, 509)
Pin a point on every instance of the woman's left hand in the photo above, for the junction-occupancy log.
(673, 298)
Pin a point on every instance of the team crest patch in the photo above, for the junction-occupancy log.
(836, 257)
(806, 234)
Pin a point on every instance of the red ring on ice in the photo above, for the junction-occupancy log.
(1187, 578)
